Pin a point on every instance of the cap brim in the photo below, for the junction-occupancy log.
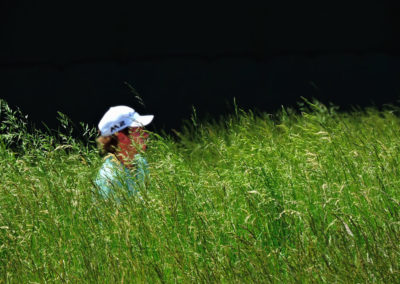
(142, 120)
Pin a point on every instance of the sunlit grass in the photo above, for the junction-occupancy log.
(290, 197)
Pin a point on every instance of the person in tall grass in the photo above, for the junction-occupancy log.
(122, 140)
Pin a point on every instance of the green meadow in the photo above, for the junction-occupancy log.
(302, 195)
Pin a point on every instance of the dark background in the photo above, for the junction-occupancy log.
(76, 57)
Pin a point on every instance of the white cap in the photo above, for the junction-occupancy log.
(120, 117)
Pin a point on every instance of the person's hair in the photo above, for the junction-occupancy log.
(109, 144)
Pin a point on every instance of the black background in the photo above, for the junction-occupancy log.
(76, 57)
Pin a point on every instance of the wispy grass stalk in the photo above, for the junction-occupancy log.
(309, 196)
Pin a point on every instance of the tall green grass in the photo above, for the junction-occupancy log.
(290, 197)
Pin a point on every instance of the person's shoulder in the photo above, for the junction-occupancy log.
(111, 158)
(110, 162)
(140, 159)
(113, 165)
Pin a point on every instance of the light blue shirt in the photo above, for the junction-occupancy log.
(113, 176)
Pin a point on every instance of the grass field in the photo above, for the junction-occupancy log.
(297, 196)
